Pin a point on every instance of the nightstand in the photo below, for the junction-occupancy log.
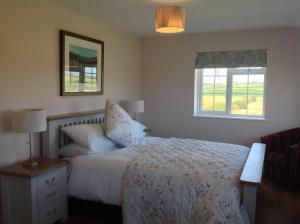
(34, 195)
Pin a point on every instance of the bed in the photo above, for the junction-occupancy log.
(105, 174)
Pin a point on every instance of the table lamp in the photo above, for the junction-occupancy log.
(133, 107)
(29, 121)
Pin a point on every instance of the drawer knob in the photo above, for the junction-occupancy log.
(51, 213)
(50, 182)
(51, 195)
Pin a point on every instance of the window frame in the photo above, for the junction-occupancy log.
(229, 83)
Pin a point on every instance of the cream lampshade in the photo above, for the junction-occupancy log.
(29, 121)
(133, 106)
(170, 19)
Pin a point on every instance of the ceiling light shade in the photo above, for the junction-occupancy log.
(170, 19)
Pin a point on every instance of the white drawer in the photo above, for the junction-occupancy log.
(49, 180)
(50, 195)
(50, 214)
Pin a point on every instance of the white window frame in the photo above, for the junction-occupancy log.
(227, 113)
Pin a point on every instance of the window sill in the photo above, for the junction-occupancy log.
(229, 117)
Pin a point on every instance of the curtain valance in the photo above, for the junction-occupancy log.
(231, 59)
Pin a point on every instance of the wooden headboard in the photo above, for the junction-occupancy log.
(53, 138)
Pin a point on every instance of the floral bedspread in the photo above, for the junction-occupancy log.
(184, 181)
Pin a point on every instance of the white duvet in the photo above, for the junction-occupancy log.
(98, 177)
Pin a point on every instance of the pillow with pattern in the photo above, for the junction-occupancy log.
(118, 124)
(138, 129)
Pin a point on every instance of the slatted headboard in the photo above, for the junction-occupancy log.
(53, 138)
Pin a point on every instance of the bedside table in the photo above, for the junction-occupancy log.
(34, 195)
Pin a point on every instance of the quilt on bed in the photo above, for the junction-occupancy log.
(184, 181)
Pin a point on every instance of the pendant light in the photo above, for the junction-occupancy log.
(170, 19)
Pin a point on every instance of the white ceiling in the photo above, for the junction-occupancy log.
(137, 16)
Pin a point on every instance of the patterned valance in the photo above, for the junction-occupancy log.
(231, 59)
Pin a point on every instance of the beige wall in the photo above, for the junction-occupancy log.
(168, 84)
(29, 64)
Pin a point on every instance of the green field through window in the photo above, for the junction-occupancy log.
(244, 90)
(239, 106)
(72, 83)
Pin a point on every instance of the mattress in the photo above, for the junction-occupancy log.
(99, 177)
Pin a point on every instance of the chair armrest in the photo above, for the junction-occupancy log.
(294, 152)
(281, 141)
(294, 159)
(272, 138)
(272, 142)
(295, 147)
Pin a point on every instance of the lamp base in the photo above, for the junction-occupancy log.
(30, 163)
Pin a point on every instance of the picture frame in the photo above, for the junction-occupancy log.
(81, 65)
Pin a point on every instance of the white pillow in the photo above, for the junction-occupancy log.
(89, 136)
(72, 149)
(138, 129)
(118, 124)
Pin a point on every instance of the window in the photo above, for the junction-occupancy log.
(84, 79)
(72, 80)
(230, 91)
(90, 79)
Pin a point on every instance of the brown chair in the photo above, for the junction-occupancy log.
(282, 160)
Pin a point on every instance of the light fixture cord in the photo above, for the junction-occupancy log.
(30, 144)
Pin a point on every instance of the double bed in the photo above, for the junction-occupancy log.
(164, 180)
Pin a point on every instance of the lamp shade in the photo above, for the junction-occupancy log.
(134, 106)
(29, 120)
(170, 19)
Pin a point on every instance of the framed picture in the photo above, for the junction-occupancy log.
(81, 65)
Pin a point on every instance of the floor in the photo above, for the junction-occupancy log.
(91, 213)
(275, 206)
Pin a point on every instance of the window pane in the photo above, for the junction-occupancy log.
(221, 71)
(90, 79)
(256, 84)
(71, 81)
(87, 70)
(255, 105)
(208, 72)
(220, 84)
(256, 94)
(239, 84)
(208, 84)
(214, 84)
(239, 94)
(239, 104)
(220, 102)
(207, 102)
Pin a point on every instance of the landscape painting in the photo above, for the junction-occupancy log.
(81, 65)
